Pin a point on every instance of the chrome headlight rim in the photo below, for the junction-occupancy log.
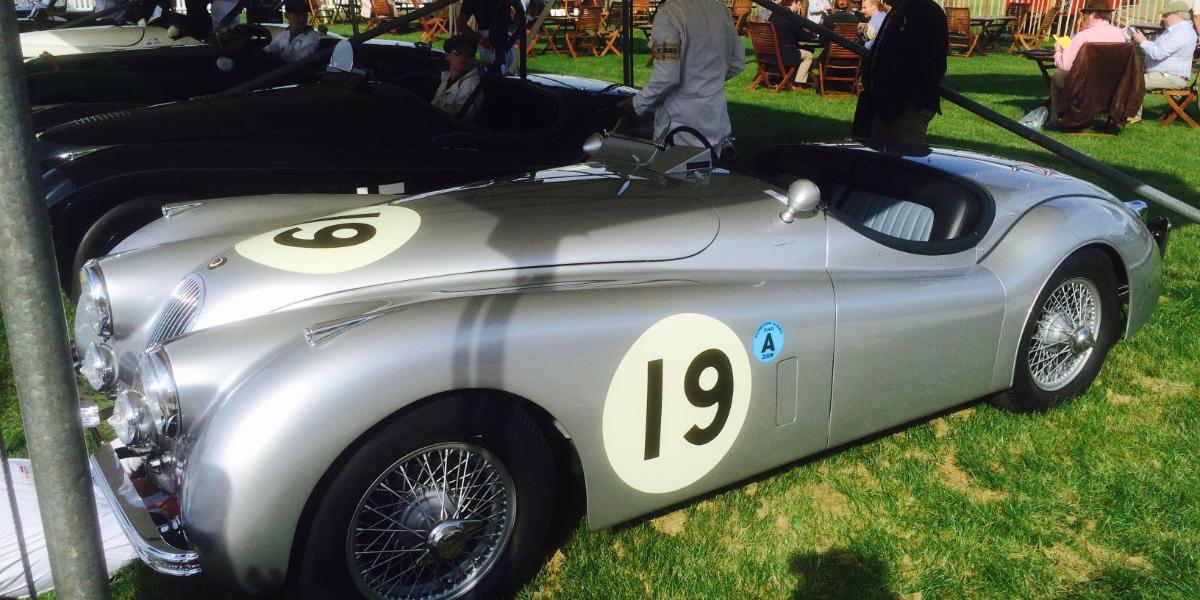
(159, 390)
(94, 298)
(128, 414)
(99, 367)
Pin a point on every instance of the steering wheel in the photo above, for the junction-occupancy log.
(670, 139)
(251, 34)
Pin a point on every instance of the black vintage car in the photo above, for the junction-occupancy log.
(107, 175)
(65, 88)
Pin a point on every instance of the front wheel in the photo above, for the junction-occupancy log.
(1069, 332)
(450, 501)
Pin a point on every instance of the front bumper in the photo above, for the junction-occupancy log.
(139, 526)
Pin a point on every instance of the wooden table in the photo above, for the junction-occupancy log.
(551, 28)
(1044, 60)
(990, 28)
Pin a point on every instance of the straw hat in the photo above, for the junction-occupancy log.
(1096, 6)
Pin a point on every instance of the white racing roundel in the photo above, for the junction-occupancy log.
(341, 242)
(676, 403)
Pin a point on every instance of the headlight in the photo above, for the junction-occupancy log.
(94, 299)
(129, 411)
(158, 387)
(98, 367)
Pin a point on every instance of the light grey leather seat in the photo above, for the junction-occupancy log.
(890, 216)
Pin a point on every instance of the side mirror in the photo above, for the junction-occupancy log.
(803, 198)
(343, 57)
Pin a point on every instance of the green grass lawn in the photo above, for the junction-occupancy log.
(1097, 499)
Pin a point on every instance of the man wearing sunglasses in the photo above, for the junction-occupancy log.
(460, 80)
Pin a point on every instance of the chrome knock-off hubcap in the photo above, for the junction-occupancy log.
(1064, 338)
(432, 525)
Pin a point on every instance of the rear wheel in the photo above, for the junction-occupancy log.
(1069, 332)
(450, 501)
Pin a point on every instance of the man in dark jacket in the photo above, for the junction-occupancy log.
(903, 73)
(790, 35)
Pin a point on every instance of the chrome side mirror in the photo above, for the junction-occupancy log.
(343, 57)
(803, 198)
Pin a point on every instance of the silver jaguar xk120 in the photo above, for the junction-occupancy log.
(376, 397)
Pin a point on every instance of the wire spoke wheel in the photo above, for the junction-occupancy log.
(1065, 335)
(432, 525)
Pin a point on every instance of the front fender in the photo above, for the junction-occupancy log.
(1044, 237)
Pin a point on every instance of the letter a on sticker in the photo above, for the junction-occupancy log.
(768, 345)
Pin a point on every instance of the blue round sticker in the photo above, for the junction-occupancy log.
(768, 341)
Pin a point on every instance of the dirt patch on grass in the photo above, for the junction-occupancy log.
(1119, 399)
(963, 414)
(764, 509)
(671, 524)
(940, 428)
(552, 586)
(829, 500)
(1084, 560)
(1069, 565)
(618, 549)
(781, 525)
(862, 477)
(954, 477)
(751, 489)
(1164, 387)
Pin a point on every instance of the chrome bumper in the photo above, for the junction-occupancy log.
(135, 520)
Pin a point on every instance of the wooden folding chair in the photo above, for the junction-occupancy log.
(1020, 10)
(1030, 41)
(587, 31)
(610, 32)
(318, 13)
(958, 26)
(839, 65)
(771, 70)
(382, 11)
(740, 11)
(1178, 101)
(432, 26)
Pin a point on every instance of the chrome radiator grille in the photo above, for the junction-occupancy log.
(177, 315)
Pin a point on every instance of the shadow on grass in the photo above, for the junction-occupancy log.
(840, 573)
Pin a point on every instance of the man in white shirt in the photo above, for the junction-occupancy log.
(299, 41)
(460, 80)
(1169, 57)
(695, 51)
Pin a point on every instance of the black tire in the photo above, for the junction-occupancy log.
(327, 568)
(1037, 393)
(114, 226)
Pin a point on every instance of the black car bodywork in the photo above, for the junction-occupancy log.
(105, 176)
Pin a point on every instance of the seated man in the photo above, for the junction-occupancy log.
(875, 11)
(299, 41)
(841, 15)
(790, 35)
(1094, 26)
(1168, 58)
(461, 79)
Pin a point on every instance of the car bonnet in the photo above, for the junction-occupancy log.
(582, 214)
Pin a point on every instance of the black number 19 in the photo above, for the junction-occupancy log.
(721, 394)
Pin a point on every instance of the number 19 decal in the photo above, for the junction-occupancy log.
(676, 403)
(342, 242)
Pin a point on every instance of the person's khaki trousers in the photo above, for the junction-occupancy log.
(802, 71)
(908, 128)
(1162, 81)
(1058, 82)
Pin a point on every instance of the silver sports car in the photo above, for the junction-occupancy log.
(376, 397)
